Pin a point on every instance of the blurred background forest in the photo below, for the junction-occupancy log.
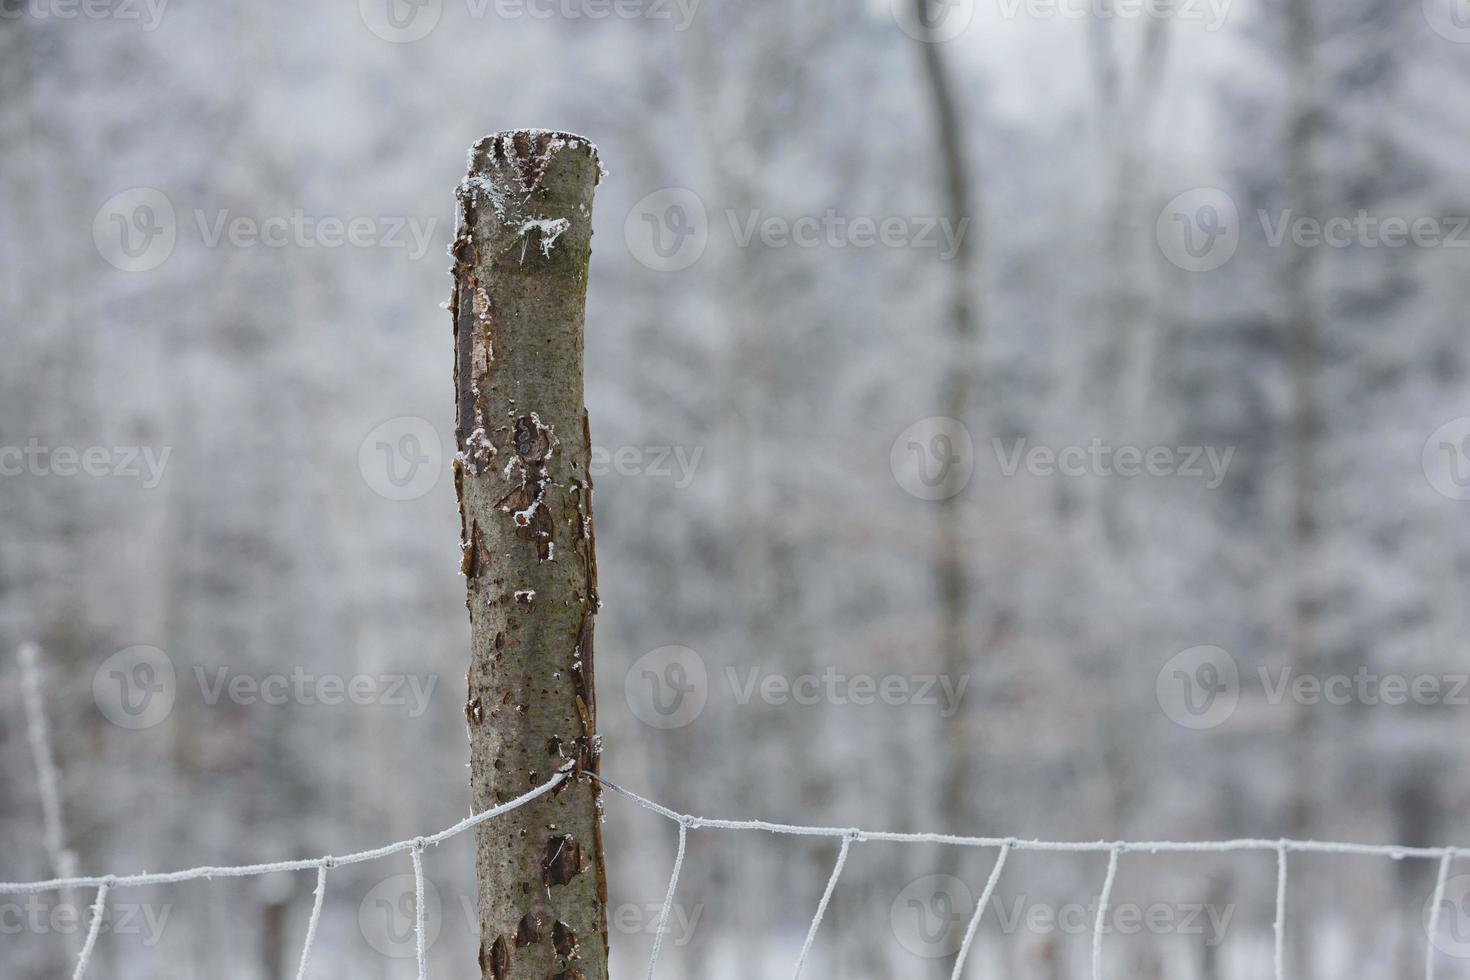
(766, 404)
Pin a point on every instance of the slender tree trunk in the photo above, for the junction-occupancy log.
(951, 571)
(520, 284)
(1306, 413)
(1304, 442)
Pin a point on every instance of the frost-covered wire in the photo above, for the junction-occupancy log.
(663, 915)
(811, 933)
(1102, 913)
(316, 915)
(1114, 849)
(418, 908)
(980, 906)
(1280, 926)
(249, 870)
(99, 909)
(1433, 926)
(1394, 851)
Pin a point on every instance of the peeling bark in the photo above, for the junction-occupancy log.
(520, 282)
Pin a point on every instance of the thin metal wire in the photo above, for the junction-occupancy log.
(1000, 863)
(811, 933)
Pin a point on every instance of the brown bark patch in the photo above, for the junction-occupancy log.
(564, 940)
(564, 860)
(529, 931)
(499, 959)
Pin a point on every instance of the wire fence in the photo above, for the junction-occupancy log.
(848, 836)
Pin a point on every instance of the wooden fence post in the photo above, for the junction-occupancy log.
(525, 496)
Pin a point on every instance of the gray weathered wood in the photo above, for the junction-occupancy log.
(520, 284)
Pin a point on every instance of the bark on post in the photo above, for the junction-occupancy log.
(525, 497)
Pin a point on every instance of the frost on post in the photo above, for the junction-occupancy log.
(520, 283)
